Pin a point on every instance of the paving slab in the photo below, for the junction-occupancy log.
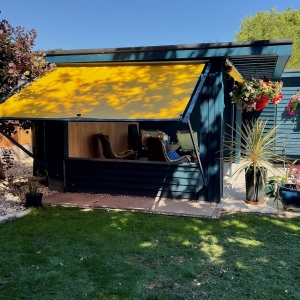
(289, 214)
(76, 199)
(239, 206)
(236, 193)
(263, 209)
(124, 202)
(184, 207)
(275, 204)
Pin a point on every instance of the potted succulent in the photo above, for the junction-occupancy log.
(256, 93)
(32, 194)
(257, 154)
(289, 188)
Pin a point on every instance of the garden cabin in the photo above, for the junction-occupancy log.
(162, 88)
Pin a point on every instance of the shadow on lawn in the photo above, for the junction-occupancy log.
(129, 255)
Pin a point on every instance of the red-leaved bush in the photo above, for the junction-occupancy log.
(294, 174)
(19, 63)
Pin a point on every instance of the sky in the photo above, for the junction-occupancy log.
(90, 24)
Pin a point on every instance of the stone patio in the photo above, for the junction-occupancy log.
(234, 195)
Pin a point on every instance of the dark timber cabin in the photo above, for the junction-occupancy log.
(166, 88)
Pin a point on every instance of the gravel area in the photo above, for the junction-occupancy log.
(11, 193)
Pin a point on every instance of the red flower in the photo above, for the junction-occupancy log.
(262, 103)
(275, 100)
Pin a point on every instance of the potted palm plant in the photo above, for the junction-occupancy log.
(254, 146)
(32, 194)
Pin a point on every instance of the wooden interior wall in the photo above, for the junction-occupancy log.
(84, 143)
(21, 137)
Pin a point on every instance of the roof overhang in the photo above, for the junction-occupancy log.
(291, 78)
(258, 58)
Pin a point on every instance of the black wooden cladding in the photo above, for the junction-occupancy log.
(136, 178)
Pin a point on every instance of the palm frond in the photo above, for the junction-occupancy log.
(255, 145)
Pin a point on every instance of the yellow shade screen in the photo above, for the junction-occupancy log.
(108, 92)
(236, 75)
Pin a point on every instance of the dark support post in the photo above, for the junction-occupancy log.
(211, 120)
(215, 145)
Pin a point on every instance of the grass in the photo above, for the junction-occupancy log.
(68, 253)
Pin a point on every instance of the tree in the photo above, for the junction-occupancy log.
(268, 25)
(19, 64)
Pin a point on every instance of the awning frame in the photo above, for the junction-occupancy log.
(190, 106)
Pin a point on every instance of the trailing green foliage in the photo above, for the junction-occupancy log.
(270, 25)
(68, 253)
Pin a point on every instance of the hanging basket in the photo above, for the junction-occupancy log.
(256, 93)
(293, 104)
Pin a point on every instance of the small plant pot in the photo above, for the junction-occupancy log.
(290, 197)
(271, 188)
(34, 200)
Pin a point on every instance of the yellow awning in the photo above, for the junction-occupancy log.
(236, 75)
(107, 92)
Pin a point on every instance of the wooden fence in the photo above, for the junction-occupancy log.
(21, 137)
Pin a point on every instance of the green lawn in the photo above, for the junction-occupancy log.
(67, 253)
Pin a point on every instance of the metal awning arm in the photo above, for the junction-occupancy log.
(188, 110)
(29, 153)
(196, 148)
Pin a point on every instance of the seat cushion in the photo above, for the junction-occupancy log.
(151, 132)
(173, 155)
(185, 141)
